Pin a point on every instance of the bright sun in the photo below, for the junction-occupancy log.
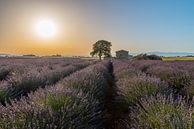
(46, 28)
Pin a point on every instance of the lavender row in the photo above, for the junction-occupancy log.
(149, 100)
(18, 86)
(74, 102)
(17, 67)
(178, 74)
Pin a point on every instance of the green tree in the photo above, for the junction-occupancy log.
(101, 48)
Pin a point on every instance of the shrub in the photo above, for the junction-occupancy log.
(67, 113)
(162, 113)
(190, 90)
(24, 84)
(56, 75)
(138, 87)
(147, 57)
(3, 73)
(4, 85)
(179, 80)
(125, 70)
(57, 101)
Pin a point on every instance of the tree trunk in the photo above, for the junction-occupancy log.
(100, 57)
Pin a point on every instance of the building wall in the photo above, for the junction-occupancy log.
(122, 55)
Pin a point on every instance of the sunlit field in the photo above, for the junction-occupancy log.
(177, 58)
(71, 93)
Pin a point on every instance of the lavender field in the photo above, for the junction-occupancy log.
(67, 93)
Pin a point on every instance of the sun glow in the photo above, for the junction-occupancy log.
(46, 28)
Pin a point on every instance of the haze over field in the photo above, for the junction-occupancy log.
(70, 27)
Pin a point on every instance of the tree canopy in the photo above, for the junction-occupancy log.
(101, 48)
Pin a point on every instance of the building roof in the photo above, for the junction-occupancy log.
(122, 51)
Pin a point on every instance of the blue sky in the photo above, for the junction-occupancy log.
(149, 25)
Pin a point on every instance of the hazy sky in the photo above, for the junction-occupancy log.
(135, 25)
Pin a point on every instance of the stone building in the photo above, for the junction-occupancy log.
(122, 54)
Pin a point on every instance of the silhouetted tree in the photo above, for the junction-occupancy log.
(101, 48)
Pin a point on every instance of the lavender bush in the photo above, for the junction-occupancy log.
(178, 79)
(4, 85)
(135, 84)
(162, 113)
(76, 112)
(22, 82)
(125, 69)
(138, 87)
(88, 83)
(65, 105)
(4, 72)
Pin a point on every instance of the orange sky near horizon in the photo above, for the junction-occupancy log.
(76, 31)
(18, 34)
(19, 37)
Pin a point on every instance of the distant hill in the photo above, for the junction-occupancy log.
(8, 55)
(168, 54)
(4, 55)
